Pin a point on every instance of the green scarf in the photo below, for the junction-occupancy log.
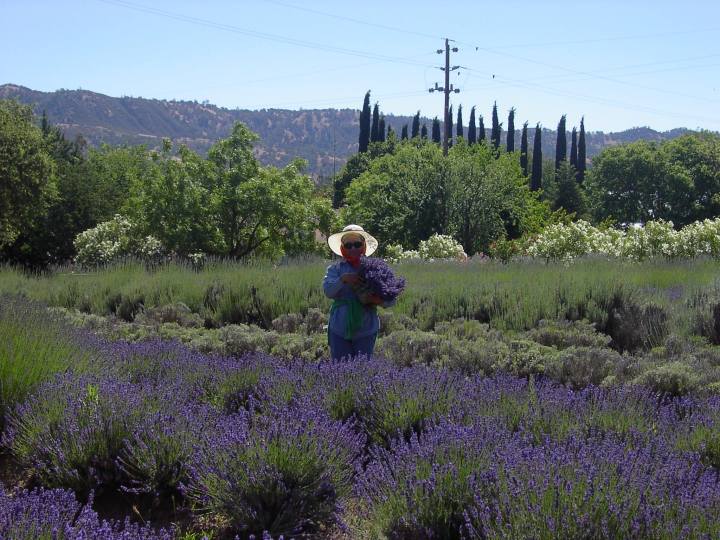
(355, 314)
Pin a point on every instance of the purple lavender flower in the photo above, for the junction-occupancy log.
(380, 278)
(55, 513)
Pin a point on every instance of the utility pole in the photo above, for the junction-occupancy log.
(446, 90)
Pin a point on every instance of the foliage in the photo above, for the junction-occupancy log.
(676, 180)
(115, 239)
(27, 171)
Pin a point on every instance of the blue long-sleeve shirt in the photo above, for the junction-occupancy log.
(335, 288)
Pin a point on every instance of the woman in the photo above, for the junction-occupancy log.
(353, 326)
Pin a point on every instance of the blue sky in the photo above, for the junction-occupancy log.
(619, 63)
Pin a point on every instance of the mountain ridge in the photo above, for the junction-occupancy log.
(323, 137)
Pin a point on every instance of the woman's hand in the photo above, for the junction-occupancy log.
(375, 299)
(351, 278)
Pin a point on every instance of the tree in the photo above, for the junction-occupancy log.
(568, 194)
(511, 131)
(415, 125)
(375, 127)
(536, 178)
(381, 129)
(424, 132)
(481, 130)
(401, 197)
(561, 144)
(267, 211)
(581, 163)
(472, 129)
(72, 209)
(496, 129)
(404, 132)
(676, 180)
(488, 197)
(573, 149)
(355, 166)
(364, 137)
(27, 172)
(459, 132)
(172, 203)
(436, 130)
(524, 150)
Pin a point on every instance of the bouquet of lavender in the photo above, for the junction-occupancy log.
(378, 278)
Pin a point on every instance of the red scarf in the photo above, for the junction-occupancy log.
(354, 260)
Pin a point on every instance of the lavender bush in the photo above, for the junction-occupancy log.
(287, 474)
(55, 514)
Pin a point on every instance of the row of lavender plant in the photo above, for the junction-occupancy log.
(362, 449)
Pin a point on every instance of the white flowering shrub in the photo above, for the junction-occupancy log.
(438, 246)
(655, 239)
(441, 246)
(112, 240)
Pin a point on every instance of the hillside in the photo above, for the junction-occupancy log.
(324, 137)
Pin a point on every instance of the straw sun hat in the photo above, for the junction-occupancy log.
(335, 240)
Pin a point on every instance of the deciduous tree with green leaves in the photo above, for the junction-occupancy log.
(27, 171)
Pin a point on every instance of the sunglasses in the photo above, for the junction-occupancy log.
(350, 245)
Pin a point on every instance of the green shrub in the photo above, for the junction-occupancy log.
(563, 334)
(579, 367)
(673, 379)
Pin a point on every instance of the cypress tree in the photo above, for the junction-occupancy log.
(524, 150)
(423, 132)
(364, 138)
(536, 179)
(381, 128)
(481, 130)
(459, 132)
(404, 133)
(472, 131)
(436, 131)
(389, 132)
(495, 132)
(581, 153)
(561, 144)
(45, 124)
(449, 127)
(511, 131)
(573, 148)
(415, 125)
(375, 127)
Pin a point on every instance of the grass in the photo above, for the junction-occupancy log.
(509, 297)
(33, 347)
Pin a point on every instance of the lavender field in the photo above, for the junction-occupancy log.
(551, 431)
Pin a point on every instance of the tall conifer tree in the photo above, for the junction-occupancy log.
(404, 133)
(390, 131)
(436, 131)
(573, 148)
(561, 143)
(511, 131)
(415, 125)
(381, 128)
(472, 130)
(481, 130)
(536, 178)
(495, 131)
(581, 153)
(364, 137)
(375, 127)
(459, 132)
(524, 150)
(423, 132)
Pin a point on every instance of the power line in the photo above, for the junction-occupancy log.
(353, 20)
(257, 34)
